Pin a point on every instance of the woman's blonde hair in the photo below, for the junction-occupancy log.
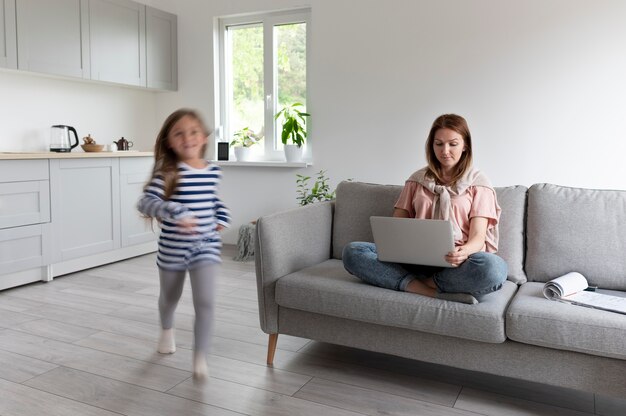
(165, 160)
(458, 124)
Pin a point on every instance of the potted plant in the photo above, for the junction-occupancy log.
(318, 193)
(294, 133)
(242, 141)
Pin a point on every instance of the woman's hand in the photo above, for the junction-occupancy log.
(458, 256)
(219, 227)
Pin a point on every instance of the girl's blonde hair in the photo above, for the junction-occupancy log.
(458, 124)
(165, 160)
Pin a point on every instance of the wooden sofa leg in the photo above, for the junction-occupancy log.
(271, 348)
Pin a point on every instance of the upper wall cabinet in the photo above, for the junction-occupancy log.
(161, 49)
(8, 51)
(52, 37)
(118, 39)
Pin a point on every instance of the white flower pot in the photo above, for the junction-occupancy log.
(293, 153)
(242, 154)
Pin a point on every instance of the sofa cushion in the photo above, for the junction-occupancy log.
(357, 201)
(512, 200)
(328, 289)
(574, 229)
(533, 319)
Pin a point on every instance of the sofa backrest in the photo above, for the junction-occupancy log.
(512, 227)
(575, 229)
(357, 201)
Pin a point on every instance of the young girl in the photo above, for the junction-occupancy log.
(447, 188)
(182, 196)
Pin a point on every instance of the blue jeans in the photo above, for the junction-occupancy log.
(480, 274)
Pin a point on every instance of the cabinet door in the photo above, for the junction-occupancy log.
(24, 203)
(23, 248)
(85, 207)
(53, 37)
(161, 49)
(134, 173)
(24, 192)
(118, 39)
(8, 51)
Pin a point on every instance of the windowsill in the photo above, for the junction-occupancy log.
(260, 163)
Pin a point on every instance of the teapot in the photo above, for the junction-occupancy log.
(123, 144)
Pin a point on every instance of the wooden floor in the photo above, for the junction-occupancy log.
(84, 344)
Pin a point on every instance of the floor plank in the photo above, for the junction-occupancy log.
(18, 368)
(492, 404)
(93, 361)
(371, 402)
(22, 400)
(253, 401)
(115, 396)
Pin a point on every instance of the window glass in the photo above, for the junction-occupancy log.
(290, 68)
(246, 78)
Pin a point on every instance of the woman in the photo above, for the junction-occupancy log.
(449, 189)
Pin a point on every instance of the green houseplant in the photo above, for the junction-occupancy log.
(294, 132)
(243, 139)
(318, 193)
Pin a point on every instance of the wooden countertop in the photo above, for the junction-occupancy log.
(71, 155)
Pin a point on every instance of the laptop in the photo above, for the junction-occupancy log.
(413, 241)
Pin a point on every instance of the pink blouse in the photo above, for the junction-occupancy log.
(478, 201)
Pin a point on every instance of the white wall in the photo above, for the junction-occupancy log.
(30, 104)
(541, 83)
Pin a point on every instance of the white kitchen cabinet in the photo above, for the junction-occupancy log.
(62, 213)
(24, 221)
(134, 173)
(53, 37)
(118, 41)
(85, 207)
(23, 248)
(8, 38)
(24, 203)
(24, 193)
(161, 49)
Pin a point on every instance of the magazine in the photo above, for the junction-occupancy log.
(571, 287)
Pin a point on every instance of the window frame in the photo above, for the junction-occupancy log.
(268, 21)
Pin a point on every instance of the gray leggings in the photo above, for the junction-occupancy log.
(203, 292)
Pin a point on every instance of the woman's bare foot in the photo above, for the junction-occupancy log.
(428, 288)
(419, 287)
(458, 297)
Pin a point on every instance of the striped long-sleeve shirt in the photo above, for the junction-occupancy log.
(195, 196)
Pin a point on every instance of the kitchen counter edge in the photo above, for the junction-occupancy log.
(70, 155)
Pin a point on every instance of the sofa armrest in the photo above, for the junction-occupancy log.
(287, 242)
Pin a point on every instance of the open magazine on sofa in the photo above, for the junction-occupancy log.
(571, 288)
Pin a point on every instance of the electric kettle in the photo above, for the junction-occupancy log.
(60, 140)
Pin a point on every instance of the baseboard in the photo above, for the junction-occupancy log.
(87, 262)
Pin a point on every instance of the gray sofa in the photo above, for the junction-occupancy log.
(545, 231)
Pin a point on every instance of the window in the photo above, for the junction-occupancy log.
(262, 68)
